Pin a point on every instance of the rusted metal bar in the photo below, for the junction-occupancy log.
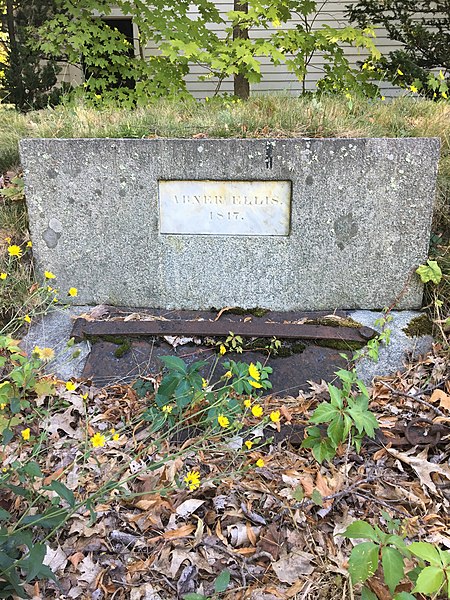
(83, 328)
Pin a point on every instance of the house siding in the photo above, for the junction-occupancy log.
(274, 78)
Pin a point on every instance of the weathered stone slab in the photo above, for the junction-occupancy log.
(360, 219)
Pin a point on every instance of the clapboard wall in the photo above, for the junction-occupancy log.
(274, 78)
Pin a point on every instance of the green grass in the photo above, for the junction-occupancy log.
(262, 116)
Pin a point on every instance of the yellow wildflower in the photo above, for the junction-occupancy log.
(85, 396)
(44, 353)
(70, 386)
(222, 349)
(223, 421)
(275, 416)
(399, 72)
(414, 89)
(247, 403)
(29, 244)
(49, 275)
(260, 463)
(204, 382)
(441, 76)
(115, 436)
(383, 98)
(3, 275)
(228, 374)
(26, 434)
(192, 480)
(3, 406)
(98, 440)
(27, 319)
(249, 444)
(8, 240)
(255, 384)
(167, 409)
(253, 372)
(73, 292)
(444, 95)
(257, 410)
(15, 250)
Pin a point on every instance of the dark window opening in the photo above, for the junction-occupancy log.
(123, 25)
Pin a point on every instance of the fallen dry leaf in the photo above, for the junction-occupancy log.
(293, 566)
(441, 397)
(422, 467)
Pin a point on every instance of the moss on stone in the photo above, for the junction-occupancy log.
(419, 326)
(340, 344)
(332, 321)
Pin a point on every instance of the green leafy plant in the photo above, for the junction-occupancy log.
(423, 29)
(275, 345)
(430, 272)
(14, 191)
(347, 418)
(124, 75)
(28, 76)
(233, 343)
(184, 394)
(430, 574)
(21, 380)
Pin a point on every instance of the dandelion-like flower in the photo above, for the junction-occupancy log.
(73, 292)
(228, 374)
(15, 250)
(275, 416)
(3, 275)
(192, 480)
(222, 349)
(223, 421)
(255, 384)
(44, 353)
(70, 386)
(49, 275)
(247, 403)
(2, 406)
(27, 319)
(253, 372)
(249, 444)
(260, 463)
(257, 410)
(204, 383)
(167, 409)
(98, 440)
(29, 244)
(26, 434)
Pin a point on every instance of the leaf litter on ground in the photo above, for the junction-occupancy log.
(275, 529)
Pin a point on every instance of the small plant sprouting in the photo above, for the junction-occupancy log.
(233, 343)
(347, 417)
